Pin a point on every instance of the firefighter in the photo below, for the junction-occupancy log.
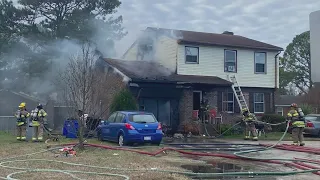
(296, 116)
(22, 116)
(204, 109)
(250, 128)
(38, 116)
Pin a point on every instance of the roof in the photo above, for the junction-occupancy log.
(287, 100)
(10, 101)
(154, 72)
(204, 38)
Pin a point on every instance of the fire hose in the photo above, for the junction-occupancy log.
(236, 155)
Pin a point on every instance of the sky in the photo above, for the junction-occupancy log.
(275, 22)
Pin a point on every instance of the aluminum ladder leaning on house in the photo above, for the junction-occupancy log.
(238, 94)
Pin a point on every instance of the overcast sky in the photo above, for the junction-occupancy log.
(271, 21)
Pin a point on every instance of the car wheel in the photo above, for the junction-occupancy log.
(121, 140)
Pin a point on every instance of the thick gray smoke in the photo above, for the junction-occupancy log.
(60, 52)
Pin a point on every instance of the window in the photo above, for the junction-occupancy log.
(119, 118)
(192, 54)
(260, 59)
(230, 61)
(142, 118)
(280, 111)
(228, 102)
(258, 102)
(112, 117)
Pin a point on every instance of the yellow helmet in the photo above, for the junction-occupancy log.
(22, 105)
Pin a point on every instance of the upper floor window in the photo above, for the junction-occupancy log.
(230, 61)
(192, 54)
(260, 59)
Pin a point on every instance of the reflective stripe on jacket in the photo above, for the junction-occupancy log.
(294, 116)
(248, 117)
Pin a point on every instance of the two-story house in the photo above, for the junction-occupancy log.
(172, 71)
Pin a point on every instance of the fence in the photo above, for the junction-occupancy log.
(8, 124)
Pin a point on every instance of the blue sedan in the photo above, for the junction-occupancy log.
(129, 127)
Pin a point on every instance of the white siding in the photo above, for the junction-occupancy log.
(131, 54)
(165, 52)
(211, 63)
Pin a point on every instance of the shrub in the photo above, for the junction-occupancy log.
(123, 100)
(275, 118)
(306, 108)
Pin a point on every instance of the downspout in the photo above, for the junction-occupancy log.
(276, 78)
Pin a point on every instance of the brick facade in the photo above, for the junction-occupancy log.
(212, 97)
(186, 105)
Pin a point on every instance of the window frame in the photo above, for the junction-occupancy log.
(227, 102)
(254, 103)
(255, 62)
(277, 110)
(114, 119)
(236, 61)
(119, 114)
(185, 55)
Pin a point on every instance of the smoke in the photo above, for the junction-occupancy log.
(52, 57)
(156, 45)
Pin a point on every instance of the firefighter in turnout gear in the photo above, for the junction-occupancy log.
(22, 116)
(296, 116)
(38, 116)
(204, 110)
(250, 128)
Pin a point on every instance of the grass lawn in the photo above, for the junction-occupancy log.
(90, 156)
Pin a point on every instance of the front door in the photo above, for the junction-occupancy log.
(197, 96)
(164, 112)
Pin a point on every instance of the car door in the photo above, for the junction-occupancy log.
(117, 125)
(107, 125)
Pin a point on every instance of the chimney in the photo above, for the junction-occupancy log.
(228, 33)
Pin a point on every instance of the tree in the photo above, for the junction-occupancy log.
(83, 85)
(123, 100)
(74, 18)
(295, 66)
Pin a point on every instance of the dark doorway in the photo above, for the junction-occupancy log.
(197, 96)
(166, 110)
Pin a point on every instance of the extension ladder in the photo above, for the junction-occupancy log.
(238, 93)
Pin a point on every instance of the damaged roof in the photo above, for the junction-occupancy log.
(204, 38)
(154, 72)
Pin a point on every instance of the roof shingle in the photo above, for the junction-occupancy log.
(153, 71)
(204, 38)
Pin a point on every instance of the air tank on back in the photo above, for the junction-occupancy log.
(315, 46)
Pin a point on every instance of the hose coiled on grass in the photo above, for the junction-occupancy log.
(203, 175)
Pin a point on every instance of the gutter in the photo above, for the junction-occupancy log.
(276, 78)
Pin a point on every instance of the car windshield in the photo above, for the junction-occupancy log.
(142, 118)
(311, 118)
